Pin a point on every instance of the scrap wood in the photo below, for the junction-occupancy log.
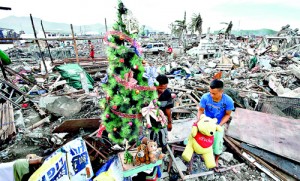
(259, 166)
(276, 164)
(95, 149)
(7, 99)
(266, 91)
(41, 112)
(185, 177)
(281, 138)
(73, 125)
(41, 122)
(186, 105)
(7, 121)
(240, 150)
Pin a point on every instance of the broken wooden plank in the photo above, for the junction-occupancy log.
(7, 121)
(264, 169)
(288, 166)
(95, 149)
(41, 122)
(181, 130)
(73, 125)
(41, 112)
(238, 146)
(295, 70)
(176, 110)
(224, 67)
(276, 134)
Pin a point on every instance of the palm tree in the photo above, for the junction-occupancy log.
(228, 30)
(181, 28)
(197, 24)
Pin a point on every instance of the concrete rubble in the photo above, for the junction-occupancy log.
(254, 70)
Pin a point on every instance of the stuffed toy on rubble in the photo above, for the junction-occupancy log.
(142, 155)
(154, 152)
(201, 140)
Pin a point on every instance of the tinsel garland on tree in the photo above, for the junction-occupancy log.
(127, 90)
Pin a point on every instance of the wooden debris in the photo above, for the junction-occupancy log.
(73, 126)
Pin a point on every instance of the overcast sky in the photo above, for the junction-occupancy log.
(158, 14)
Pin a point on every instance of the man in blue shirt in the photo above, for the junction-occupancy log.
(216, 104)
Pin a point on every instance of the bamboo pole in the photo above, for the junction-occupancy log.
(46, 41)
(75, 45)
(37, 42)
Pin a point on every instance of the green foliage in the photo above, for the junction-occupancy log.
(127, 101)
(197, 23)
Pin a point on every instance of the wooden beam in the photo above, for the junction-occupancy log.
(75, 45)
(37, 42)
(95, 149)
(46, 41)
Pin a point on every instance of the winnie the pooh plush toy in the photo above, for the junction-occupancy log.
(201, 140)
(154, 152)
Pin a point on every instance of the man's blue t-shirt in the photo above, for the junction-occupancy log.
(216, 109)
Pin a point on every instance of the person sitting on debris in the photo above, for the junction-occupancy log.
(216, 104)
(159, 133)
(91, 48)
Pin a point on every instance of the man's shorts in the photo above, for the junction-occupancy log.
(218, 142)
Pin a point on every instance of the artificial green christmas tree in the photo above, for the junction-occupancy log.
(130, 86)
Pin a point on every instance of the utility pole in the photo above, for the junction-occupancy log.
(37, 42)
(105, 25)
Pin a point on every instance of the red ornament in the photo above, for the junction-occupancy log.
(121, 60)
(115, 129)
(130, 123)
(107, 97)
(135, 67)
(114, 107)
(107, 116)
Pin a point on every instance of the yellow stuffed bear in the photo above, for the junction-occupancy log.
(201, 140)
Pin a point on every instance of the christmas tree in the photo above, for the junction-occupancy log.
(130, 87)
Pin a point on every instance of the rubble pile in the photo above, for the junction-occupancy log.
(48, 110)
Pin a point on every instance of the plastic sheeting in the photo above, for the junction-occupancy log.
(71, 72)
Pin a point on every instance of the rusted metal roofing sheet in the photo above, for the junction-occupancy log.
(276, 134)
